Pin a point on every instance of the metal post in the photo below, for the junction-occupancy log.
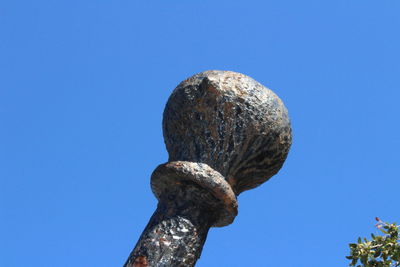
(225, 133)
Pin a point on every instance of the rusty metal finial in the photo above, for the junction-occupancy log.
(225, 133)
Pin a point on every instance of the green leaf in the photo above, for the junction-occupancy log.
(383, 231)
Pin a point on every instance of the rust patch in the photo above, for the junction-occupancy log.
(141, 261)
(213, 90)
(228, 107)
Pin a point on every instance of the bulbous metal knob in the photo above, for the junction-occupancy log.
(230, 122)
(225, 133)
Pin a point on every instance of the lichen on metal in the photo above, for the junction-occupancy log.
(225, 133)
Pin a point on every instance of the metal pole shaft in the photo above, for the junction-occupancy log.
(177, 230)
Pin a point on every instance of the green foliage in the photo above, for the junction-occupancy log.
(381, 251)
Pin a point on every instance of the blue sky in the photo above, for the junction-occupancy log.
(82, 90)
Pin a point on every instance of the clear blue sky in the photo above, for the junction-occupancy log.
(83, 85)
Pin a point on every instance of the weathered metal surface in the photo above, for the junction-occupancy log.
(225, 133)
(171, 174)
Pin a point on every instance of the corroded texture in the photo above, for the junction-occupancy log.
(178, 228)
(230, 122)
(170, 175)
(225, 133)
